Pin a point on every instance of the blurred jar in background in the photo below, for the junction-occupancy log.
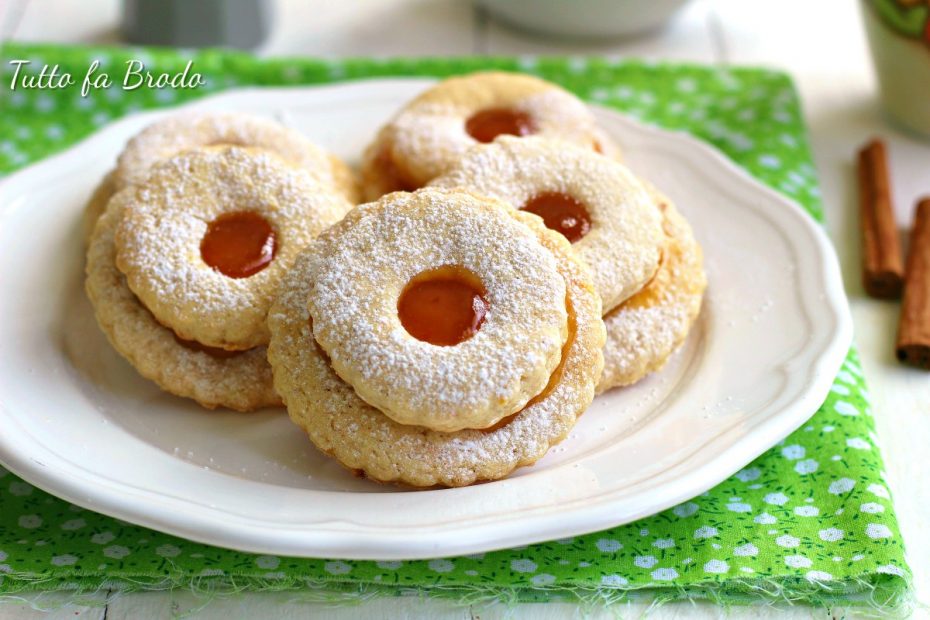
(244, 24)
(899, 37)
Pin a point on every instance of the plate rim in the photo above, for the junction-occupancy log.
(541, 524)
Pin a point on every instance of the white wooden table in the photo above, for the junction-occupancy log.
(819, 42)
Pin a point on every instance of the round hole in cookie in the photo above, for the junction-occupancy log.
(486, 125)
(238, 244)
(444, 306)
(561, 213)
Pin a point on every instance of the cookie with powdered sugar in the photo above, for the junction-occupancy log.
(205, 239)
(361, 437)
(595, 202)
(181, 132)
(376, 276)
(644, 331)
(428, 136)
(214, 378)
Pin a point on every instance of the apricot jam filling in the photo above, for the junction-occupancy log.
(561, 213)
(486, 125)
(238, 244)
(444, 306)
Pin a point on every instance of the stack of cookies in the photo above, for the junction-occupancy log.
(505, 268)
(189, 238)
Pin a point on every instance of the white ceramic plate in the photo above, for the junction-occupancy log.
(77, 421)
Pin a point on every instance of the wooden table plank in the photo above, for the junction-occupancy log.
(11, 14)
(61, 21)
(51, 606)
(282, 605)
(318, 28)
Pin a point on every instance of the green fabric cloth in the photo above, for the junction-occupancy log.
(809, 521)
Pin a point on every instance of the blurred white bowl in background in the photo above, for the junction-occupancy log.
(584, 18)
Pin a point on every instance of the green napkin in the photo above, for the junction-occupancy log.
(809, 521)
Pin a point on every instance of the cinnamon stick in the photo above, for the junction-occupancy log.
(882, 267)
(914, 328)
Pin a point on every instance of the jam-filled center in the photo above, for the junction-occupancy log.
(561, 212)
(443, 306)
(486, 125)
(238, 244)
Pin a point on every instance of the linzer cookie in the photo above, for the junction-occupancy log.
(206, 239)
(380, 276)
(364, 437)
(186, 131)
(647, 328)
(212, 377)
(430, 134)
(194, 255)
(595, 202)
(180, 133)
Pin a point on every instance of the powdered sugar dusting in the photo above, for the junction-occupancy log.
(623, 245)
(241, 382)
(343, 425)
(166, 217)
(428, 136)
(186, 131)
(363, 267)
(644, 331)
